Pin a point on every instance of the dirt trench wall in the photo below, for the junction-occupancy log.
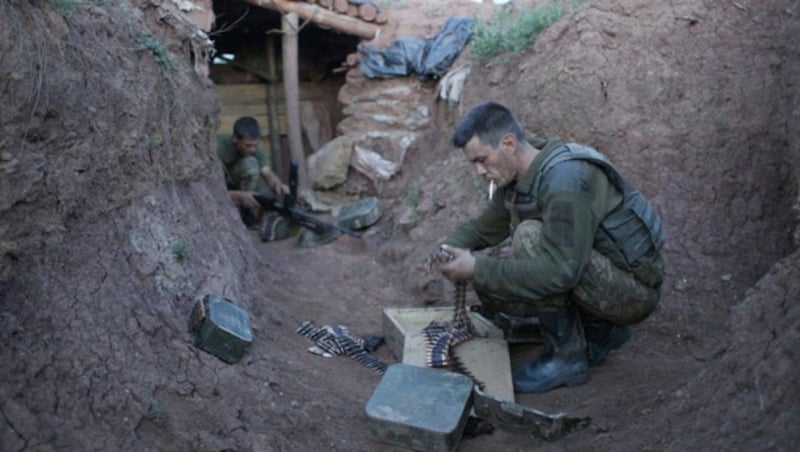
(693, 101)
(113, 221)
(697, 102)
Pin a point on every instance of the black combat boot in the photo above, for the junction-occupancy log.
(602, 337)
(564, 360)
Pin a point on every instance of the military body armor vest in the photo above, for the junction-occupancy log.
(634, 227)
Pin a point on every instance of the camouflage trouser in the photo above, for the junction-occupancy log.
(604, 289)
(246, 176)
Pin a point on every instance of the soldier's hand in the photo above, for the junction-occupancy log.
(436, 257)
(281, 189)
(243, 198)
(462, 265)
(249, 201)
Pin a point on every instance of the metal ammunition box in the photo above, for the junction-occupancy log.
(485, 355)
(420, 408)
(360, 214)
(221, 328)
(402, 324)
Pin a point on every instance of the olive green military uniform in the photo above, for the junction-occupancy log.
(562, 219)
(242, 173)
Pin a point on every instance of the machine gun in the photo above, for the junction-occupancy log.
(289, 209)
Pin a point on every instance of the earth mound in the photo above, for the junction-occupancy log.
(115, 222)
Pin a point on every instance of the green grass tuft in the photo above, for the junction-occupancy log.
(180, 249)
(160, 53)
(64, 7)
(512, 31)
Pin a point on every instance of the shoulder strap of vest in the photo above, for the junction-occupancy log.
(634, 200)
(522, 202)
(574, 151)
(560, 154)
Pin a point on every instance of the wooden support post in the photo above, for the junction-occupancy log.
(291, 84)
(272, 108)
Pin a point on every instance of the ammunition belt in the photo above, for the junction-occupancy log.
(441, 338)
(333, 340)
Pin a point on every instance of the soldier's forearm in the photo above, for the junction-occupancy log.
(272, 179)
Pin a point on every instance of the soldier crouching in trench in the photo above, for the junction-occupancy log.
(586, 246)
(247, 169)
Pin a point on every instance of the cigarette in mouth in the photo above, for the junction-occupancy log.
(491, 190)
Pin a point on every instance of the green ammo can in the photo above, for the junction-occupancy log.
(221, 328)
(359, 214)
(420, 408)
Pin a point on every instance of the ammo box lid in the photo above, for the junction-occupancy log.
(359, 214)
(220, 328)
(228, 317)
(420, 408)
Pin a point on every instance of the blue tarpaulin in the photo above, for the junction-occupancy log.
(428, 57)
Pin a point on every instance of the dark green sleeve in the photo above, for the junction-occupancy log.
(573, 201)
(225, 150)
(487, 229)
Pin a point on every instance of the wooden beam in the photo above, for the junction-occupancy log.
(246, 68)
(367, 11)
(322, 17)
(340, 6)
